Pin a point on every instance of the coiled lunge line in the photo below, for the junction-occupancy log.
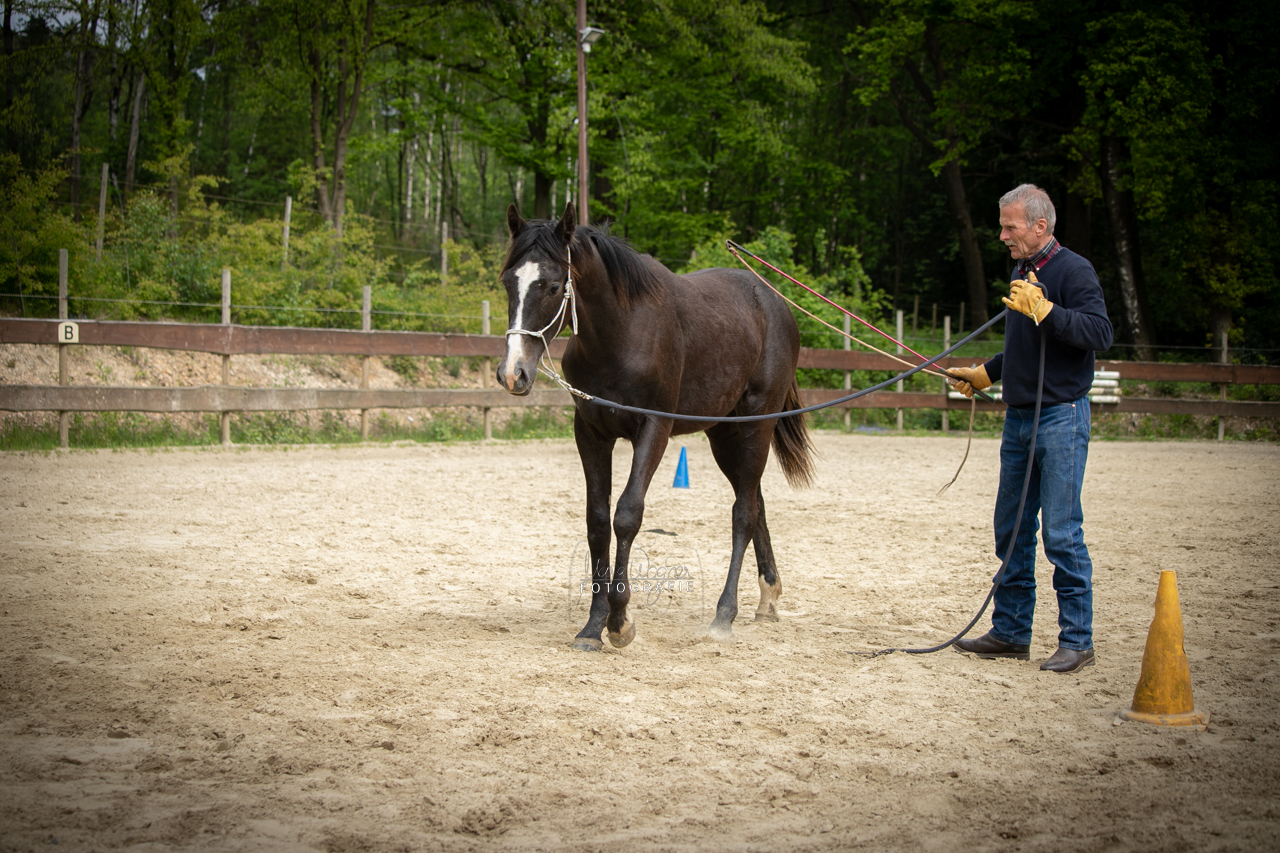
(622, 407)
(1017, 525)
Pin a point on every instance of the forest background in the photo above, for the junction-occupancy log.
(863, 145)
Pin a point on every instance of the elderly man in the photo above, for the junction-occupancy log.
(1055, 294)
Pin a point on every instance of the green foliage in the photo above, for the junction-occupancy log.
(31, 235)
(404, 131)
(1159, 78)
(957, 58)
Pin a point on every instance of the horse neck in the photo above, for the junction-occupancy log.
(601, 316)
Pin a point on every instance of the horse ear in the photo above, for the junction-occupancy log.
(567, 224)
(515, 223)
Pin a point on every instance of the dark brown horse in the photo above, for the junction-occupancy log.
(713, 343)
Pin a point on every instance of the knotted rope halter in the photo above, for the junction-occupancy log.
(569, 304)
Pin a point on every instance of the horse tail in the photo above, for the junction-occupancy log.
(791, 443)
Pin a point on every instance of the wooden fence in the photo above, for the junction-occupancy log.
(229, 340)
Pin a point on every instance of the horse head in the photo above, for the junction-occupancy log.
(536, 277)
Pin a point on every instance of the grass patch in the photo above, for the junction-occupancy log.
(110, 430)
(134, 430)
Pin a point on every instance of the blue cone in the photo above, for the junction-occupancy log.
(682, 471)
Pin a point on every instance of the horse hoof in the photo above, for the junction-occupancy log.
(618, 639)
(587, 644)
(771, 616)
(720, 633)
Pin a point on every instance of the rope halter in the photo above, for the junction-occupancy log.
(569, 304)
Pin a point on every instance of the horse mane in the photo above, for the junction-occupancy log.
(632, 279)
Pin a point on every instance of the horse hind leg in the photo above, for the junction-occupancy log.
(769, 577)
(743, 468)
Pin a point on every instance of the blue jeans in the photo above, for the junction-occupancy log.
(1057, 473)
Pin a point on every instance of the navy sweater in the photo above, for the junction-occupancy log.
(1075, 328)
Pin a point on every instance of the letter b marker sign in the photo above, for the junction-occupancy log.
(68, 333)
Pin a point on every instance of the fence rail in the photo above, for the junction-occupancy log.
(229, 340)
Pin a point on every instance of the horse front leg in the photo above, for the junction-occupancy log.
(769, 577)
(596, 455)
(648, 446)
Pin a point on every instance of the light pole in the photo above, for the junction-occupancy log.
(587, 36)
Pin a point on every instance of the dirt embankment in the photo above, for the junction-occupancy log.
(25, 364)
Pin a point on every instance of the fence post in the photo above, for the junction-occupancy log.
(960, 331)
(915, 315)
(946, 389)
(933, 323)
(64, 418)
(224, 418)
(900, 383)
(848, 376)
(366, 324)
(102, 207)
(1222, 389)
(484, 377)
(288, 214)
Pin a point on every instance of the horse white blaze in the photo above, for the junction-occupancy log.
(518, 345)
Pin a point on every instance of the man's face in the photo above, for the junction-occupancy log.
(1023, 240)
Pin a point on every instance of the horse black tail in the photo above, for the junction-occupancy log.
(791, 443)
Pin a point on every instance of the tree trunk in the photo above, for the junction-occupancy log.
(1219, 325)
(80, 105)
(1075, 224)
(224, 144)
(969, 251)
(1120, 211)
(541, 195)
(348, 107)
(135, 123)
(538, 123)
(317, 135)
(117, 78)
(8, 55)
(204, 90)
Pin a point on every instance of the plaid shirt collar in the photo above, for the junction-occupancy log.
(1039, 259)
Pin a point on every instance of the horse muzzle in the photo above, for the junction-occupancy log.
(519, 366)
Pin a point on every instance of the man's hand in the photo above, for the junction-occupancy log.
(1026, 297)
(969, 379)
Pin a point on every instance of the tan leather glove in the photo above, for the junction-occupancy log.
(1027, 298)
(966, 380)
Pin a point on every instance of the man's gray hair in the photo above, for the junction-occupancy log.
(1035, 204)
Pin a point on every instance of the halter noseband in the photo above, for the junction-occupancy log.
(569, 300)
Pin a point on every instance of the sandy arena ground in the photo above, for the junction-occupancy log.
(367, 648)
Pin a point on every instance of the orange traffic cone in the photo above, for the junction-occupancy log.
(1163, 694)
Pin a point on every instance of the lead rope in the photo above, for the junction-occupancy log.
(973, 411)
(733, 251)
(973, 402)
(1013, 539)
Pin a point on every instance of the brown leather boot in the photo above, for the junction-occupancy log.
(1068, 660)
(989, 647)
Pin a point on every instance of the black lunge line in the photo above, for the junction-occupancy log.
(748, 418)
(1017, 524)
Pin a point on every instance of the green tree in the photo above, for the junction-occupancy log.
(1176, 94)
(952, 70)
(31, 233)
